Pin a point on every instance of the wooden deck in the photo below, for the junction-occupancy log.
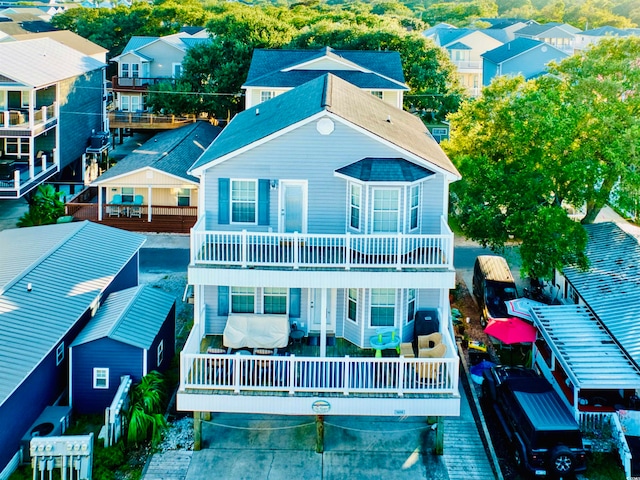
(140, 120)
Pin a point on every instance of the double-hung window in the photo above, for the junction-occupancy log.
(352, 304)
(414, 203)
(377, 93)
(135, 70)
(266, 95)
(127, 194)
(355, 202)
(411, 304)
(386, 215)
(184, 197)
(244, 201)
(383, 307)
(101, 378)
(275, 300)
(243, 300)
(125, 70)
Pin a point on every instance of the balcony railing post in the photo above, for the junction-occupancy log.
(347, 251)
(236, 372)
(243, 241)
(345, 374)
(296, 251)
(399, 251)
(401, 367)
(292, 374)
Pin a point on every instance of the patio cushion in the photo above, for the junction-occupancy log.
(256, 331)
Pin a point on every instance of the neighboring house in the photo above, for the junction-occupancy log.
(273, 72)
(155, 174)
(598, 320)
(465, 47)
(19, 20)
(71, 40)
(148, 61)
(592, 37)
(559, 35)
(325, 207)
(132, 333)
(52, 101)
(522, 56)
(52, 281)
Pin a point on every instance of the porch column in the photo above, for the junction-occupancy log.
(32, 111)
(32, 157)
(323, 322)
(149, 190)
(84, 167)
(99, 203)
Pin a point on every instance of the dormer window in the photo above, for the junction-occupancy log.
(266, 95)
(377, 93)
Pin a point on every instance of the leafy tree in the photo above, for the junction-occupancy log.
(460, 13)
(145, 418)
(45, 207)
(527, 149)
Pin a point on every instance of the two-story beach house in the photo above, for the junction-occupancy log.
(322, 220)
(48, 92)
(273, 72)
(148, 61)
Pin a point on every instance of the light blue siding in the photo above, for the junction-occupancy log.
(304, 154)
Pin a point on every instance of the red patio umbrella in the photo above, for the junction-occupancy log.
(511, 330)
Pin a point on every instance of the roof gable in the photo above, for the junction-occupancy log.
(515, 48)
(332, 96)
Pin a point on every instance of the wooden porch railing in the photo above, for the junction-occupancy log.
(317, 250)
(310, 375)
(119, 119)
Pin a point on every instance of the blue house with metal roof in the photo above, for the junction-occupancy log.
(522, 56)
(133, 333)
(52, 281)
(273, 72)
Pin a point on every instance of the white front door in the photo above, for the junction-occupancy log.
(293, 206)
(315, 309)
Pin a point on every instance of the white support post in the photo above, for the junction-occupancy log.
(99, 203)
(399, 251)
(16, 179)
(149, 192)
(347, 251)
(323, 322)
(84, 167)
(243, 239)
(44, 162)
(296, 253)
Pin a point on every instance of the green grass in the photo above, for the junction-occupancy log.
(604, 466)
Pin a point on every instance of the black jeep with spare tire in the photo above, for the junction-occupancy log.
(545, 436)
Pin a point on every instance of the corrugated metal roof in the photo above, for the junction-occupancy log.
(68, 38)
(611, 286)
(67, 274)
(43, 61)
(133, 316)
(338, 97)
(172, 152)
(511, 49)
(586, 351)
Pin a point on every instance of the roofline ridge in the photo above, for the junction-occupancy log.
(123, 313)
(41, 258)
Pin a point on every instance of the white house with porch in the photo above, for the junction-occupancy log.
(323, 218)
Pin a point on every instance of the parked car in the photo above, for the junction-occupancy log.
(493, 284)
(545, 437)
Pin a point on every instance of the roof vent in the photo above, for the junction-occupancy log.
(257, 111)
(29, 287)
(388, 118)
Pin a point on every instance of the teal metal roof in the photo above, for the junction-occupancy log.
(133, 316)
(68, 266)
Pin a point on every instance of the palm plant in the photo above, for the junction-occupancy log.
(146, 421)
(44, 207)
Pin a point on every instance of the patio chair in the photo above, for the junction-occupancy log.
(406, 350)
(113, 207)
(136, 210)
(438, 351)
(429, 341)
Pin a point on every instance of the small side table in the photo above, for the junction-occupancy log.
(296, 336)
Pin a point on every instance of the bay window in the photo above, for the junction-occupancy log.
(352, 304)
(355, 199)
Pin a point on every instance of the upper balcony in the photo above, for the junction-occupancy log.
(136, 84)
(467, 66)
(143, 120)
(295, 251)
(27, 119)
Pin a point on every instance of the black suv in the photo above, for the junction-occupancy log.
(545, 436)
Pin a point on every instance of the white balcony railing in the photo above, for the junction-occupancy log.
(311, 375)
(26, 118)
(345, 251)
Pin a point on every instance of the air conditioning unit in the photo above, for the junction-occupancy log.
(52, 422)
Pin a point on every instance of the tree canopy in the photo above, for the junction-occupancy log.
(527, 150)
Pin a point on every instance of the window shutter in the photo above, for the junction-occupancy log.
(263, 201)
(223, 301)
(223, 201)
(294, 302)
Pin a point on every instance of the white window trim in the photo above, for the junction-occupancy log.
(97, 370)
(128, 70)
(350, 206)
(271, 93)
(415, 302)
(395, 308)
(255, 183)
(378, 94)
(173, 69)
(347, 301)
(286, 302)
(398, 208)
(60, 354)
(179, 195)
(255, 299)
(410, 207)
(137, 70)
(160, 353)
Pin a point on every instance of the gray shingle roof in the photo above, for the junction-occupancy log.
(69, 266)
(511, 49)
(133, 316)
(611, 287)
(535, 30)
(267, 65)
(172, 152)
(332, 95)
(42, 61)
(385, 170)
